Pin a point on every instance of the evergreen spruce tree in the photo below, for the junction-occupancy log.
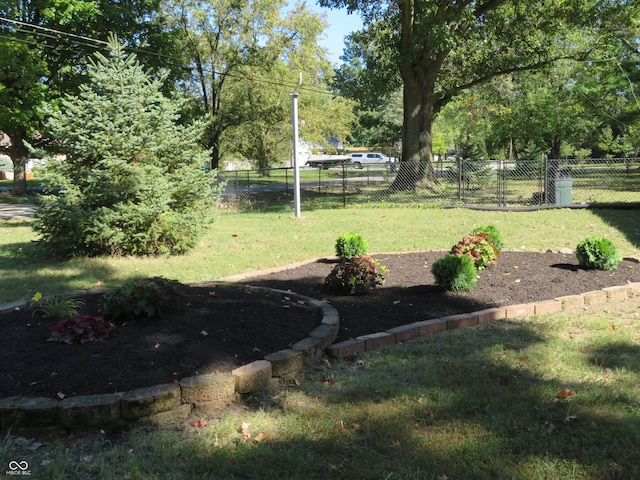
(133, 181)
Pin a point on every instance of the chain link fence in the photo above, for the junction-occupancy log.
(494, 183)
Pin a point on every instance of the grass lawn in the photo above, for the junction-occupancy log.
(238, 243)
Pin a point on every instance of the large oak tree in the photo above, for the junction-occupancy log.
(437, 49)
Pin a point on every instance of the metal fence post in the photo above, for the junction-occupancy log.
(459, 162)
(344, 185)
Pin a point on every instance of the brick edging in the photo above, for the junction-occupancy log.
(403, 333)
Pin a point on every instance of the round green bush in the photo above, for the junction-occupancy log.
(350, 244)
(598, 253)
(455, 273)
(493, 233)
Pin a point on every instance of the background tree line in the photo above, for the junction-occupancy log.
(518, 79)
(234, 61)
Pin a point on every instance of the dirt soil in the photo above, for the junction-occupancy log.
(224, 328)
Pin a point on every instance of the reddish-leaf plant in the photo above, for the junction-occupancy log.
(355, 276)
(479, 247)
(82, 329)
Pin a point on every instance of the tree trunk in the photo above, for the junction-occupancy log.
(417, 154)
(19, 155)
(556, 141)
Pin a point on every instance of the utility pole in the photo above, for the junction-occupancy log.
(296, 167)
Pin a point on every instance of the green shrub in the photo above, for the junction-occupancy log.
(354, 276)
(598, 253)
(350, 244)
(455, 273)
(132, 182)
(144, 298)
(479, 247)
(493, 233)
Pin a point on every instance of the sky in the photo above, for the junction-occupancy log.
(340, 25)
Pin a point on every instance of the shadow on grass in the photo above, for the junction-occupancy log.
(26, 268)
(616, 355)
(468, 404)
(626, 221)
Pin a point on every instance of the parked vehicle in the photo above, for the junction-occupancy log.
(370, 158)
(326, 161)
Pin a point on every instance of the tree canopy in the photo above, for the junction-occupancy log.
(438, 49)
(244, 59)
(47, 43)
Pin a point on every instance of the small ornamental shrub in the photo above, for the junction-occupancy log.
(455, 273)
(598, 253)
(479, 247)
(145, 298)
(493, 233)
(355, 276)
(350, 244)
(57, 307)
(86, 328)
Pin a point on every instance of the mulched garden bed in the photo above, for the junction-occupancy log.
(224, 328)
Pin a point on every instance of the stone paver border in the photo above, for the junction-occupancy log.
(404, 333)
(201, 394)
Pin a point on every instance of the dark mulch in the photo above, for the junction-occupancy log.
(231, 328)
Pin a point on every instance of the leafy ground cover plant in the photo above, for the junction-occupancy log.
(455, 273)
(56, 306)
(598, 253)
(479, 247)
(350, 244)
(494, 235)
(355, 276)
(144, 298)
(85, 328)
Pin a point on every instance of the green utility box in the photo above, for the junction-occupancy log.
(563, 186)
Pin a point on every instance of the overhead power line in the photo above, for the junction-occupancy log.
(81, 40)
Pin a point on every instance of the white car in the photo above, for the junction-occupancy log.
(370, 158)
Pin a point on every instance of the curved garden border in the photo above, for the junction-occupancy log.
(205, 394)
(200, 395)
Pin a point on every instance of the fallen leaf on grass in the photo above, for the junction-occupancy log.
(564, 393)
(200, 423)
(245, 430)
(204, 333)
(395, 444)
(60, 395)
(341, 427)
